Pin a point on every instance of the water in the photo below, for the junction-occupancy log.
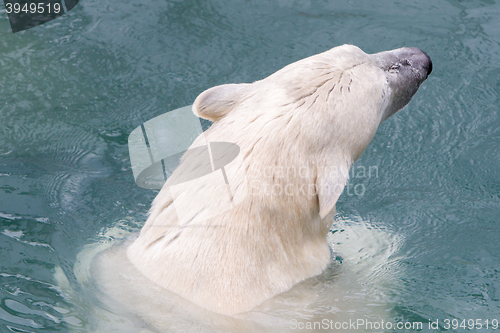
(73, 89)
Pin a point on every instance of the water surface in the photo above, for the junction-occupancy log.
(73, 89)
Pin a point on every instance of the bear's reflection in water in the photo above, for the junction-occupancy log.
(356, 286)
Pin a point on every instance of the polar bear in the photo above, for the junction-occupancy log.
(298, 132)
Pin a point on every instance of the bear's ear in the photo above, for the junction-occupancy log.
(216, 102)
(330, 183)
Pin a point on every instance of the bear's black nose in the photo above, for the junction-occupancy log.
(422, 60)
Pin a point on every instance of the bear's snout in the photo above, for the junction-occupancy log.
(418, 59)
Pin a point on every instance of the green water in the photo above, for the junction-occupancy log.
(73, 89)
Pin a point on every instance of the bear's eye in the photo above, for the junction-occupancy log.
(394, 68)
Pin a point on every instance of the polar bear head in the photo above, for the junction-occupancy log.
(333, 103)
(397, 74)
